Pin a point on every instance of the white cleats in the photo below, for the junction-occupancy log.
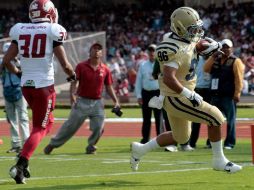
(136, 154)
(134, 163)
(171, 148)
(186, 148)
(229, 167)
(155, 102)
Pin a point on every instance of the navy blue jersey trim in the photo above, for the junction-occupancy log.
(185, 111)
(176, 37)
(165, 47)
(198, 111)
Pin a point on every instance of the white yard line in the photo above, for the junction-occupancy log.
(62, 158)
(110, 174)
(109, 161)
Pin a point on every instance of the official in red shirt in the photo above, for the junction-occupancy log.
(86, 93)
(92, 79)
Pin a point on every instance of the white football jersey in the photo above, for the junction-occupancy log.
(35, 44)
(179, 51)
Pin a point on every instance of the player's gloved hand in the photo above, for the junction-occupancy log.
(71, 78)
(117, 110)
(212, 47)
(194, 97)
(156, 102)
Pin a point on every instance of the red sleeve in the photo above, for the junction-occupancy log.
(108, 78)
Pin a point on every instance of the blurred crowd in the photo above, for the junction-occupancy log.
(130, 28)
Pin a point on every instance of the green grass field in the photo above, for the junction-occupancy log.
(135, 113)
(69, 168)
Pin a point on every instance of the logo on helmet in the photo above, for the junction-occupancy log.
(35, 14)
(34, 6)
(48, 5)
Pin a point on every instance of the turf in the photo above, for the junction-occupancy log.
(134, 113)
(69, 168)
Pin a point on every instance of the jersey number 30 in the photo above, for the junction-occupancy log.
(38, 45)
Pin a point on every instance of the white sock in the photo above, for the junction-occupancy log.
(151, 145)
(218, 155)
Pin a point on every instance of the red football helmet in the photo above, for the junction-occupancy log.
(43, 11)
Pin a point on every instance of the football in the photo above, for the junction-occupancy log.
(200, 46)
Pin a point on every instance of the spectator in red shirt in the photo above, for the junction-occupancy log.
(86, 93)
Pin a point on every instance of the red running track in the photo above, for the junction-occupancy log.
(132, 129)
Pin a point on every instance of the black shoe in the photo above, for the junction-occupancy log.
(14, 150)
(17, 174)
(26, 172)
(22, 163)
(91, 149)
(48, 149)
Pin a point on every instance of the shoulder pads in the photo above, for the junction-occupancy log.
(166, 36)
(14, 31)
(58, 32)
(169, 47)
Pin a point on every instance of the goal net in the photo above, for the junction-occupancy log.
(77, 49)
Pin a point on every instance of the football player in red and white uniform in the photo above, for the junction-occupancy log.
(37, 43)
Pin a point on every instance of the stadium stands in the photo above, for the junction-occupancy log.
(131, 27)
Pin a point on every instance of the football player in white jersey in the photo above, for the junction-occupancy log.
(36, 43)
(178, 58)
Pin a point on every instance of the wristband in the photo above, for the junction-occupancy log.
(186, 92)
(72, 78)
